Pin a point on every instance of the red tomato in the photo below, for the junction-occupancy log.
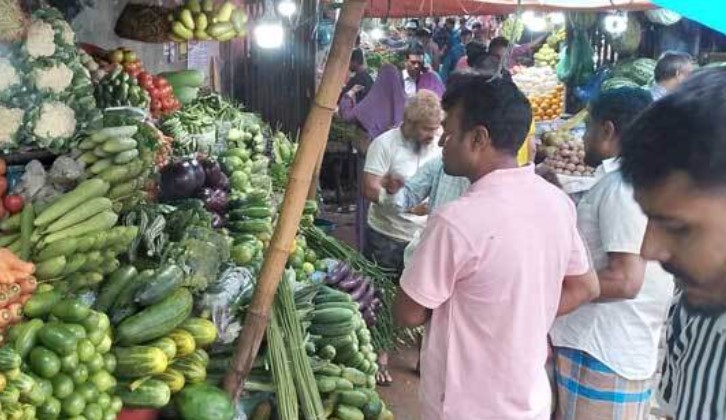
(155, 104)
(161, 82)
(13, 203)
(3, 186)
(167, 103)
(147, 85)
(145, 75)
(167, 91)
(156, 93)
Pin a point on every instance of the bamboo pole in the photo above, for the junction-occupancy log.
(312, 143)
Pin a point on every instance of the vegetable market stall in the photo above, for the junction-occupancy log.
(129, 258)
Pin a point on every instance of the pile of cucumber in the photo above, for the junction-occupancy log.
(347, 381)
(115, 156)
(156, 338)
(118, 88)
(58, 364)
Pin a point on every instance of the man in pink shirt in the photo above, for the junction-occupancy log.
(494, 268)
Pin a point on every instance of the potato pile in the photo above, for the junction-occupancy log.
(565, 154)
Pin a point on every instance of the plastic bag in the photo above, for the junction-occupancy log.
(225, 296)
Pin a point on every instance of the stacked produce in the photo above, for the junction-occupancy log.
(126, 58)
(17, 285)
(205, 20)
(631, 73)
(94, 69)
(251, 137)
(161, 93)
(556, 38)
(360, 288)
(565, 154)
(58, 364)
(546, 57)
(512, 28)
(46, 94)
(10, 203)
(77, 240)
(543, 90)
(283, 153)
(383, 332)
(185, 83)
(118, 88)
(347, 380)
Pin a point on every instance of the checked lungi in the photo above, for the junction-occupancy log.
(589, 390)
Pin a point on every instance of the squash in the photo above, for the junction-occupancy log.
(184, 341)
(138, 361)
(156, 320)
(167, 345)
(204, 402)
(203, 330)
(9, 358)
(173, 378)
(193, 372)
(150, 393)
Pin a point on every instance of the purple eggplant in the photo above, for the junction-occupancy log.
(339, 272)
(369, 316)
(367, 298)
(351, 282)
(361, 290)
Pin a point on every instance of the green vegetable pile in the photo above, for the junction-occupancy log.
(341, 338)
(46, 94)
(67, 366)
(118, 88)
(114, 155)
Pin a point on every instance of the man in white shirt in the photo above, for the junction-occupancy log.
(399, 152)
(606, 352)
(415, 62)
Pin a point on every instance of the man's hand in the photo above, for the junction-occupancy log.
(391, 183)
(354, 90)
(420, 210)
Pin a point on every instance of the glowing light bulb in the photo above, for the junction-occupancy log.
(287, 8)
(269, 35)
(377, 34)
(557, 18)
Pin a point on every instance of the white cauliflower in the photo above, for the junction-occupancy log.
(12, 119)
(56, 120)
(8, 75)
(40, 41)
(66, 32)
(56, 78)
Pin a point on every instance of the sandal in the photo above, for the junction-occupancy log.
(383, 376)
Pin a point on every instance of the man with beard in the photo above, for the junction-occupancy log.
(606, 352)
(400, 152)
(674, 155)
(490, 276)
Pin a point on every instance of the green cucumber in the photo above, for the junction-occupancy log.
(157, 320)
(165, 282)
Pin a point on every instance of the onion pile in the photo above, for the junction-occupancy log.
(565, 154)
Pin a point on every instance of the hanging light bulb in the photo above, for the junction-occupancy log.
(377, 34)
(534, 22)
(616, 23)
(269, 35)
(557, 18)
(287, 8)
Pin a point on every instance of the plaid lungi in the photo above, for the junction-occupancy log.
(587, 389)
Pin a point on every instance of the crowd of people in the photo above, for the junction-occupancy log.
(509, 276)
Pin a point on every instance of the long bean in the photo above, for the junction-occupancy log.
(307, 388)
(287, 405)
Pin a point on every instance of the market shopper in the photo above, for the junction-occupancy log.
(401, 151)
(674, 157)
(417, 77)
(361, 81)
(493, 268)
(498, 47)
(672, 69)
(380, 111)
(606, 352)
(432, 53)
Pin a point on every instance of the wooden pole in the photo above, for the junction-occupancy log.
(312, 143)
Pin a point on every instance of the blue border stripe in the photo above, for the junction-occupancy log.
(709, 13)
(585, 360)
(598, 395)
